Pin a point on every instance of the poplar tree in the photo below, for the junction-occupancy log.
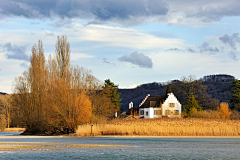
(63, 55)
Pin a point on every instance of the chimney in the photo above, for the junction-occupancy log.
(130, 105)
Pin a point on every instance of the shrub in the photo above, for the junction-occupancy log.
(224, 110)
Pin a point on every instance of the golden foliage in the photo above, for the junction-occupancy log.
(83, 107)
(53, 95)
(224, 110)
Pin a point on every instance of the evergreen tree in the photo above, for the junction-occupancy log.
(168, 89)
(235, 95)
(192, 103)
(111, 90)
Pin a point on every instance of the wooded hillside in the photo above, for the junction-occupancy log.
(218, 87)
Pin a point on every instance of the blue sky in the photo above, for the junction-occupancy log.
(130, 42)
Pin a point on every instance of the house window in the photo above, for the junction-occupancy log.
(142, 112)
(157, 112)
(171, 104)
(146, 113)
(167, 112)
(176, 112)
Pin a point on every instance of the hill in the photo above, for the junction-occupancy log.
(218, 87)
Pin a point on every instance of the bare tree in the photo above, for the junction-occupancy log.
(189, 86)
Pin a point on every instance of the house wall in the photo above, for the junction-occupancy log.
(150, 112)
(156, 116)
(171, 99)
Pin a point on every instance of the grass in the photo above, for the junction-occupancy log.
(163, 127)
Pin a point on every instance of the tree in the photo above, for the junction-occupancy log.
(189, 86)
(224, 110)
(5, 110)
(111, 91)
(235, 95)
(168, 89)
(55, 96)
(192, 103)
(63, 55)
(31, 90)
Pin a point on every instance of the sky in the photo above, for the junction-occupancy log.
(130, 42)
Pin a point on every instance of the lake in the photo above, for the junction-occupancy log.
(143, 148)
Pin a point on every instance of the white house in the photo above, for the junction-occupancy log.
(158, 106)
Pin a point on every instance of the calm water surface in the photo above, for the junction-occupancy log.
(144, 148)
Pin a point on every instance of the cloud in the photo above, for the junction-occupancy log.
(126, 12)
(106, 61)
(125, 9)
(50, 34)
(35, 23)
(63, 23)
(230, 40)
(233, 55)
(138, 59)
(204, 10)
(181, 50)
(191, 50)
(16, 52)
(174, 49)
(100, 10)
(206, 48)
(24, 65)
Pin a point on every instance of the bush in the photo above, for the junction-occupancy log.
(224, 110)
(206, 114)
(235, 115)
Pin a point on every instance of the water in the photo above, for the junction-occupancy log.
(144, 148)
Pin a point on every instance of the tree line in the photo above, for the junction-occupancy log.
(53, 96)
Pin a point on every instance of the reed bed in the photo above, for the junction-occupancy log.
(14, 129)
(163, 127)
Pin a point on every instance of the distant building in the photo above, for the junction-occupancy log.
(157, 107)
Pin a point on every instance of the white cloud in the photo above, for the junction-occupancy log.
(76, 56)
(123, 37)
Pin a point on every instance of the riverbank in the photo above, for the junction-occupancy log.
(163, 127)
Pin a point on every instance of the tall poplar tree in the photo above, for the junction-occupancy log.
(63, 55)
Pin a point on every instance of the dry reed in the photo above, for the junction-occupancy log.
(14, 129)
(164, 127)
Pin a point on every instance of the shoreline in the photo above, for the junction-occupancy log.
(136, 136)
(111, 136)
